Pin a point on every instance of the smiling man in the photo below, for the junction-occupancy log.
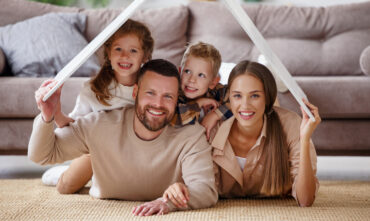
(135, 155)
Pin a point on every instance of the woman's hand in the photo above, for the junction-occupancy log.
(307, 125)
(178, 194)
(49, 107)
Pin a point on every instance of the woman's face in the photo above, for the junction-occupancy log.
(247, 100)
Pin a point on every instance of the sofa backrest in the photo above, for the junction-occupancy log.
(308, 40)
(168, 26)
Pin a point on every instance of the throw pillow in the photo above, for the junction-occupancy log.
(43, 45)
(2, 61)
(365, 60)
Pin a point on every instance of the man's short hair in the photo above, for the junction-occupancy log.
(161, 67)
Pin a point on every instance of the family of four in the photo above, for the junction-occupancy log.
(143, 131)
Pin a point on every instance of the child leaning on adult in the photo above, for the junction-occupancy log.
(263, 150)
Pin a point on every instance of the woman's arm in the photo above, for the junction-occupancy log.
(306, 180)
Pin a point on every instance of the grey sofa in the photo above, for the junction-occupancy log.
(321, 47)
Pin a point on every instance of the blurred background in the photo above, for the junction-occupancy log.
(164, 3)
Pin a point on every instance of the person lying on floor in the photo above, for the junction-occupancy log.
(262, 151)
(135, 154)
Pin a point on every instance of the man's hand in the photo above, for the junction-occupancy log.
(157, 207)
(307, 125)
(178, 194)
(49, 107)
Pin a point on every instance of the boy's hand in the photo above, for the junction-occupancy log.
(207, 103)
(178, 194)
(209, 122)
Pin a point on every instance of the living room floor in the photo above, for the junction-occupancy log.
(329, 168)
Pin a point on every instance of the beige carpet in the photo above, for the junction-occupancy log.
(30, 200)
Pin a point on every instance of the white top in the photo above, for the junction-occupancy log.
(86, 101)
(241, 161)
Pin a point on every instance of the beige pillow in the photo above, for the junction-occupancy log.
(365, 60)
(2, 61)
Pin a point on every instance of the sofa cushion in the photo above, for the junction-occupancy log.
(337, 97)
(309, 40)
(2, 61)
(167, 25)
(18, 96)
(365, 61)
(43, 45)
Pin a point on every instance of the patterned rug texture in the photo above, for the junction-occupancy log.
(29, 199)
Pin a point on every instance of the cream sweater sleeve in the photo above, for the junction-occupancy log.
(47, 146)
(198, 174)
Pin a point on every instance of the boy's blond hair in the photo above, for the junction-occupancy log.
(205, 51)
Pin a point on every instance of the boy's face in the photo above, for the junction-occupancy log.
(197, 77)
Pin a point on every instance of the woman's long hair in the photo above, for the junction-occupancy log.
(100, 83)
(277, 174)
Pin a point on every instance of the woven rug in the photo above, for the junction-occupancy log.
(31, 200)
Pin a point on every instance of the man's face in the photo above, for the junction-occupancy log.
(156, 99)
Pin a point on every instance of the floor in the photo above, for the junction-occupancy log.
(329, 168)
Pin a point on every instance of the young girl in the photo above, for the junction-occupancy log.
(262, 150)
(124, 53)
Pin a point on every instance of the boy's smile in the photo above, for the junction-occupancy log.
(196, 77)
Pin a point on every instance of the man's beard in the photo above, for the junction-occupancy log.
(153, 125)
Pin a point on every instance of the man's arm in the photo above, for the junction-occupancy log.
(198, 175)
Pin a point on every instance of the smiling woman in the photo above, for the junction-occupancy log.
(263, 150)
(279, 157)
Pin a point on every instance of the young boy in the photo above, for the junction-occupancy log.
(202, 98)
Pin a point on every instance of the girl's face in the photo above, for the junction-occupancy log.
(126, 56)
(247, 100)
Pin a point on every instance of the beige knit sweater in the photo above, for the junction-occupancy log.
(124, 166)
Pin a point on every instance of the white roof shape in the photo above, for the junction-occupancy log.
(236, 10)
